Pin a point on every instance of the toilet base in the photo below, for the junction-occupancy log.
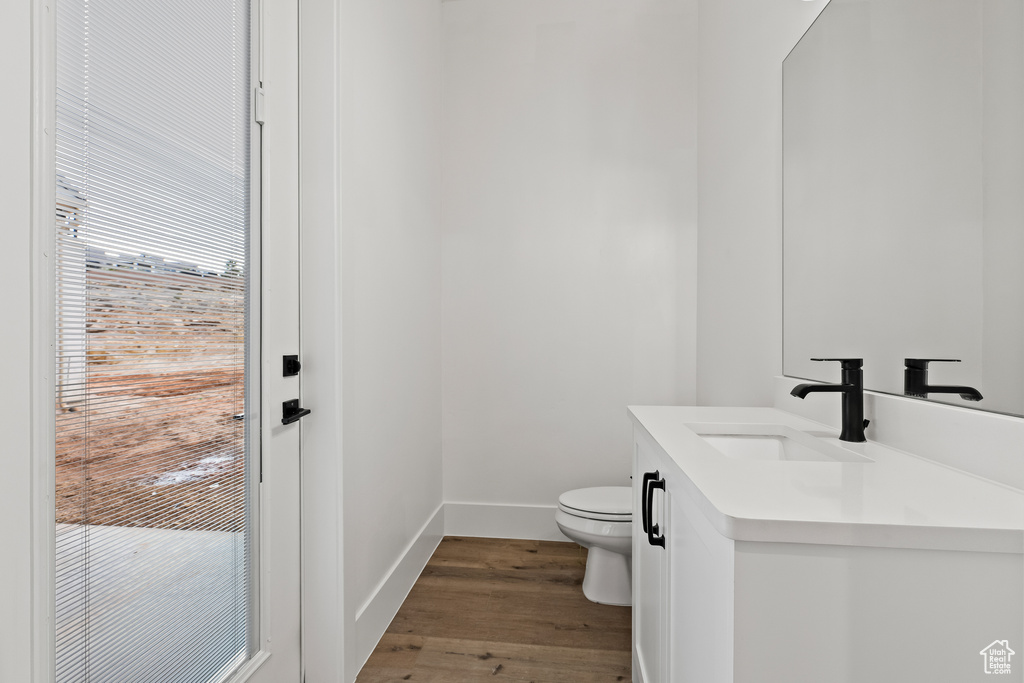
(609, 578)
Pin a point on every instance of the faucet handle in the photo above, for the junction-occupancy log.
(848, 363)
(922, 363)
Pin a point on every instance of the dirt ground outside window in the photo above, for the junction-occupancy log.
(149, 430)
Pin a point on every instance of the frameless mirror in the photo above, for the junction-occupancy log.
(903, 153)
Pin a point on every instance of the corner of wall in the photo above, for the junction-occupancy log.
(739, 314)
(375, 614)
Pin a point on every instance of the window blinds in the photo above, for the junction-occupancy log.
(152, 225)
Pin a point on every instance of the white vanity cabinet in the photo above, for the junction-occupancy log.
(651, 569)
(743, 593)
(682, 600)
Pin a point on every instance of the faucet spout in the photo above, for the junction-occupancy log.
(801, 390)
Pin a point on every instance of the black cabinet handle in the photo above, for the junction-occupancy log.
(291, 412)
(654, 535)
(645, 513)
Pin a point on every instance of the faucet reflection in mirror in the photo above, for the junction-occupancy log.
(915, 380)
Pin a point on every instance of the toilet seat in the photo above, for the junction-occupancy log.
(604, 503)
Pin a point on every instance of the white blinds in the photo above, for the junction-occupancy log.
(152, 222)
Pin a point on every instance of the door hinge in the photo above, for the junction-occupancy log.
(258, 106)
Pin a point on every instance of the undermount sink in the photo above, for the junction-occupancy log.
(772, 442)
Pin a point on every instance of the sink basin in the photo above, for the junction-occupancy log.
(772, 442)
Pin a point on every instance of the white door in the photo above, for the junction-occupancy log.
(177, 476)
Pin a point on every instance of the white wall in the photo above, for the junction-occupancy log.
(739, 312)
(569, 237)
(390, 288)
(16, 484)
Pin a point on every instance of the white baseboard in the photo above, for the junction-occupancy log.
(532, 522)
(374, 616)
(638, 669)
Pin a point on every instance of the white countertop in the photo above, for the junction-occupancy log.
(898, 500)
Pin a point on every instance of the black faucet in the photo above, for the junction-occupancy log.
(852, 388)
(915, 380)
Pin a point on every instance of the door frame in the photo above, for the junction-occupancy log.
(43, 418)
(35, 421)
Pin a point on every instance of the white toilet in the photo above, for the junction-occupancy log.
(601, 520)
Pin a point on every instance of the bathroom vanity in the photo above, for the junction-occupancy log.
(765, 550)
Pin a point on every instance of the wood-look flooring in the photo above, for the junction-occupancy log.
(488, 609)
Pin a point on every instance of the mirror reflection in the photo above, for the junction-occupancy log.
(904, 198)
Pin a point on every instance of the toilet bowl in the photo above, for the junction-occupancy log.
(601, 520)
